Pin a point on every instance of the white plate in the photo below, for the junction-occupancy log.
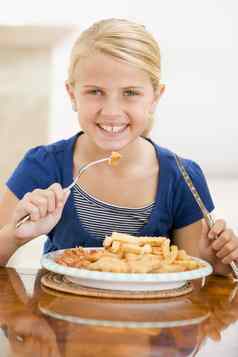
(123, 281)
(122, 324)
(162, 313)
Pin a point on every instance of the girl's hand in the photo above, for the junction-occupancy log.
(45, 208)
(219, 245)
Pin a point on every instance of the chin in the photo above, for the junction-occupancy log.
(110, 146)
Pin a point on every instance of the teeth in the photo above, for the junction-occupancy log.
(107, 128)
(112, 129)
(116, 129)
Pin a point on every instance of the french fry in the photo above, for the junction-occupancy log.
(115, 246)
(166, 249)
(124, 238)
(153, 241)
(188, 264)
(114, 158)
(147, 248)
(169, 268)
(123, 253)
(107, 242)
(182, 255)
(157, 251)
(173, 254)
(132, 248)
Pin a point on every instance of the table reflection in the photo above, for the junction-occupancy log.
(51, 323)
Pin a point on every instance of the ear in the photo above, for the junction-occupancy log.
(157, 97)
(70, 90)
(161, 90)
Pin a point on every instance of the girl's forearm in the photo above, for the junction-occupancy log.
(8, 243)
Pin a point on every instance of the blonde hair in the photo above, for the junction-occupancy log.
(124, 40)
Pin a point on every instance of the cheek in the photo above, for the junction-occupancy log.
(140, 110)
(88, 107)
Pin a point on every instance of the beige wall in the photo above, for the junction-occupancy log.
(24, 103)
(26, 80)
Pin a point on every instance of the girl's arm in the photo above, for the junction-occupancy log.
(197, 240)
(45, 209)
(188, 238)
(8, 245)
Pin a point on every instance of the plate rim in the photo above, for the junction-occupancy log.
(124, 324)
(48, 263)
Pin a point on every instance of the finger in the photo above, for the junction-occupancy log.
(34, 211)
(218, 227)
(223, 239)
(40, 201)
(61, 204)
(233, 256)
(59, 193)
(51, 199)
(226, 249)
(26, 208)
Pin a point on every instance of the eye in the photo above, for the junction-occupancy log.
(95, 92)
(131, 93)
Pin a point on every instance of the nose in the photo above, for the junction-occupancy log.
(111, 106)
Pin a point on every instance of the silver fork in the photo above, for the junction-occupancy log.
(81, 170)
(206, 214)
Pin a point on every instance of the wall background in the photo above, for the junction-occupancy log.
(197, 116)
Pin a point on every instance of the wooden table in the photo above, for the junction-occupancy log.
(40, 322)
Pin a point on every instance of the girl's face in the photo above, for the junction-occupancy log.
(113, 99)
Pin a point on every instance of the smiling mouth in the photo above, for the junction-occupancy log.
(113, 129)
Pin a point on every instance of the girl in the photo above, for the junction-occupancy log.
(114, 86)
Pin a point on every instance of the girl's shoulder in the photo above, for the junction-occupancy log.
(42, 166)
(56, 149)
(167, 162)
(176, 193)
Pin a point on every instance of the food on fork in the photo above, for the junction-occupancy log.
(114, 158)
(123, 253)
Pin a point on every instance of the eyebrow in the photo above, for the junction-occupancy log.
(127, 87)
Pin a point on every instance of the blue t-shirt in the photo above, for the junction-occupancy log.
(174, 206)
